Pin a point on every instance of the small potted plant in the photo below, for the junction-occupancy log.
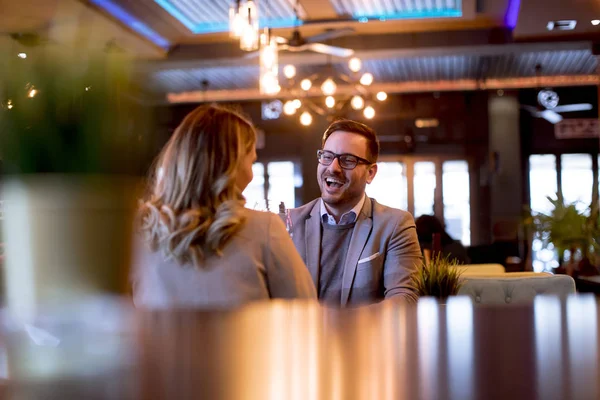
(437, 277)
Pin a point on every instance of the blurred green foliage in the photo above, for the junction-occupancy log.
(65, 113)
(567, 228)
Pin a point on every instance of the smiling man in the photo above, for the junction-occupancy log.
(357, 250)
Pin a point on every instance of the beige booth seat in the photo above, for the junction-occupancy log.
(514, 288)
(480, 269)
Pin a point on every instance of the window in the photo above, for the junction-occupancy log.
(456, 194)
(279, 186)
(543, 182)
(577, 184)
(411, 183)
(424, 185)
(389, 185)
(577, 180)
(255, 191)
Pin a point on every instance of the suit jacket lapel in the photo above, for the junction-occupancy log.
(360, 235)
(312, 239)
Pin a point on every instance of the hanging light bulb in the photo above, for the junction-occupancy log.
(269, 84)
(369, 112)
(330, 101)
(355, 64)
(297, 103)
(269, 67)
(9, 104)
(268, 51)
(249, 39)
(306, 118)
(366, 79)
(306, 84)
(381, 96)
(236, 21)
(252, 8)
(328, 87)
(289, 71)
(357, 102)
(289, 108)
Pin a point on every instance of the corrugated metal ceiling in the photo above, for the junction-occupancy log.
(572, 62)
(398, 8)
(207, 16)
(472, 66)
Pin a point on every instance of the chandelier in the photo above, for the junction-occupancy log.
(360, 98)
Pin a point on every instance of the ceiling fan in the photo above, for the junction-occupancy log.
(548, 107)
(298, 43)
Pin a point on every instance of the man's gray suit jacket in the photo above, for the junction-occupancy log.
(383, 251)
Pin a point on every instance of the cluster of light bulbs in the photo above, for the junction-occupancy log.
(328, 88)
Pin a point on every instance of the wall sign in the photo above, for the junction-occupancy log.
(577, 128)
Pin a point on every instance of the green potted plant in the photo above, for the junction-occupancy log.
(69, 131)
(567, 228)
(437, 277)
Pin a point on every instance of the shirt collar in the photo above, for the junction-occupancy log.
(346, 218)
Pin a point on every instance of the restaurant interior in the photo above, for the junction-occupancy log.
(487, 117)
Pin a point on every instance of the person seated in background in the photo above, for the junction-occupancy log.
(197, 245)
(427, 225)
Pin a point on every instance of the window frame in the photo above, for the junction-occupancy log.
(297, 171)
(438, 201)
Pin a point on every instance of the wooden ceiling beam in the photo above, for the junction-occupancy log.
(397, 87)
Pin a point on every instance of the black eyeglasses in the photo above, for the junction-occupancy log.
(347, 161)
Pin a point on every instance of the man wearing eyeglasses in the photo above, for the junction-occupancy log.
(357, 250)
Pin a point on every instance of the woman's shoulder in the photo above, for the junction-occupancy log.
(262, 219)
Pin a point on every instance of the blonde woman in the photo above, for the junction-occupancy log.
(199, 247)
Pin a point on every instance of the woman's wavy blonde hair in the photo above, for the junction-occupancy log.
(193, 206)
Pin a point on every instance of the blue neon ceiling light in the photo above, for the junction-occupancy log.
(193, 17)
(179, 15)
(132, 22)
(512, 13)
(364, 11)
(197, 26)
(454, 13)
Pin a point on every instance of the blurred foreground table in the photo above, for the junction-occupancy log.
(300, 350)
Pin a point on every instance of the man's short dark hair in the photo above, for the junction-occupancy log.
(359, 128)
